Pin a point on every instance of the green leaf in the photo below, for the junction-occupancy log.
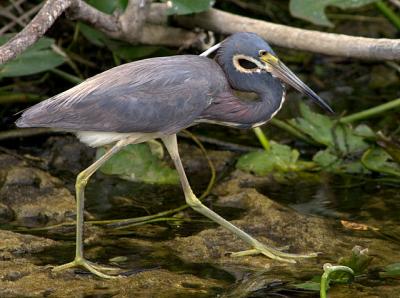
(364, 131)
(391, 147)
(189, 6)
(314, 10)
(137, 163)
(340, 137)
(346, 141)
(330, 162)
(327, 160)
(93, 35)
(4, 38)
(38, 58)
(41, 44)
(280, 158)
(378, 160)
(259, 163)
(317, 126)
(392, 271)
(308, 285)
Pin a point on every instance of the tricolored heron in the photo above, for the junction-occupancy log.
(158, 97)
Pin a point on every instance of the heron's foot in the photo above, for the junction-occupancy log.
(91, 267)
(273, 253)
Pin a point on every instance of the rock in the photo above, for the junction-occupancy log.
(6, 214)
(28, 280)
(267, 221)
(14, 245)
(278, 226)
(31, 196)
(21, 277)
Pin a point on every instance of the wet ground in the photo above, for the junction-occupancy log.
(187, 256)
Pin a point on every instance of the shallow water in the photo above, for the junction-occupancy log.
(336, 198)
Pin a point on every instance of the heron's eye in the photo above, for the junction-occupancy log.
(262, 53)
(246, 64)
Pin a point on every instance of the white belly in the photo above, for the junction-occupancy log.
(98, 138)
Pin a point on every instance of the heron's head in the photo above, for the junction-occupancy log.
(251, 65)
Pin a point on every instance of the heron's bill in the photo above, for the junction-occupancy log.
(280, 70)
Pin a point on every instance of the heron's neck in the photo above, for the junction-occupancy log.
(229, 110)
(265, 108)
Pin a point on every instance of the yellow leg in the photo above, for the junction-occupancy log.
(81, 182)
(257, 247)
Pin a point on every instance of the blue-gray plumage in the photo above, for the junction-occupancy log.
(165, 94)
(162, 94)
(158, 97)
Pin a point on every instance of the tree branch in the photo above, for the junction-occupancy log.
(135, 16)
(82, 11)
(130, 26)
(295, 38)
(47, 15)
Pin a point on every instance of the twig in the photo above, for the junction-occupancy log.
(393, 65)
(18, 97)
(23, 133)
(66, 76)
(372, 111)
(357, 18)
(17, 7)
(222, 144)
(28, 14)
(13, 3)
(9, 15)
(213, 171)
(292, 130)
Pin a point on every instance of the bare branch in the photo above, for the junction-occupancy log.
(130, 26)
(295, 38)
(169, 36)
(134, 18)
(79, 10)
(50, 11)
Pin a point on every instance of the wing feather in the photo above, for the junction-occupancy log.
(162, 94)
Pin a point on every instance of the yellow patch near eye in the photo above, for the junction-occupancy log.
(269, 58)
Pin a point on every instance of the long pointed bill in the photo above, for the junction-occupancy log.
(280, 70)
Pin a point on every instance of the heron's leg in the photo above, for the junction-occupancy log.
(258, 248)
(81, 182)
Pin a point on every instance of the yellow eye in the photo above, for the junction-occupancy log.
(262, 53)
